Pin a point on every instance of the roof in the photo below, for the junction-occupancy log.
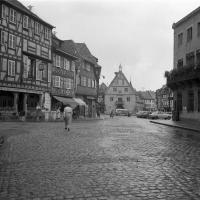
(65, 46)
(124, 77)
(146, 95)
(194, 12)
(85, 53)
(20, 6)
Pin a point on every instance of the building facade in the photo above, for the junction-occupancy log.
(25, 59)
(63, 74)
(120, 94)
(184, 79)
(164, 99)
(87, 78)
(149, 100)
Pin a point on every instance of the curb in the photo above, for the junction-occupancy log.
(176, 126)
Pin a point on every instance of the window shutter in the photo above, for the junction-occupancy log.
(13, 68)
(25, 67)
(9, 67)
(49, 74)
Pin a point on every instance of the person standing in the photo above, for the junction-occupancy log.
(68, 116)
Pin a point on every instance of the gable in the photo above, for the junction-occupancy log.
(119, 81)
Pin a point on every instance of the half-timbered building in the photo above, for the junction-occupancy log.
(63, 73)
(25, 59)
(88, 73)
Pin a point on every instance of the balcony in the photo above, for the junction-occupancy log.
(183, 76)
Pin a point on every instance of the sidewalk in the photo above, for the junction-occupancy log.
(184, 124)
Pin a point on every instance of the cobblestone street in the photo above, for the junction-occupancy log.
(120, 158)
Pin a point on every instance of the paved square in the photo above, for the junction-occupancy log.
(120, 158)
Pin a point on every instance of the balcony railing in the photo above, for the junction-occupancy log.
(183, 76)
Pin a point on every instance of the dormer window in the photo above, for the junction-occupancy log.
(25, 22)
(37, 28)
(12, 15)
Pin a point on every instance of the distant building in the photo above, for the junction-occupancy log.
(164, 99)
(184, 79)
(120, 93)
(25, 60)
(101, 97)
(148, 98)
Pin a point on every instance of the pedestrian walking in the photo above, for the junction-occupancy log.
(68, 116)
(112, 113)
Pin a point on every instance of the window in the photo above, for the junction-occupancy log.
(11, 68)
(3, 37)
(73, 66)
(190, 101)
(87, 67)
(114, 89)
(66, 64)
(3, 11)
(180, 39)
(56, 81)
(120, 82)
(120, 99)
(111, 98)
(84, 81)
(125, 89)
(12, 41)
(198, 29)
(68, 83)
(189, 34)
(45, 72)
(57, 61)
(25, 21)
(12, 16)
(37, 28)
(128, 99)
(180, 63)
(47, 33)
(190, 59)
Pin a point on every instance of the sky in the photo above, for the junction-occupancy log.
(137, 34)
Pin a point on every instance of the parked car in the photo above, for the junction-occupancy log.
(160, 115)
(143, 114)
(123, 112)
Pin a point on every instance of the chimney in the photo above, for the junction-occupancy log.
(30, 7)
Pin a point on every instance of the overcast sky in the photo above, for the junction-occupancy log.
(136, 33)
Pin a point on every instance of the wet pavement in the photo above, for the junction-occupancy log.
(120, 158)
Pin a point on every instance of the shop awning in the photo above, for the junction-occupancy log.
(66, 101)
(79, 101)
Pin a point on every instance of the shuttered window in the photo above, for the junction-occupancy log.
(12, 41)
(3, 11)
(57, 61)
(66, 64)
(11, 68)
(12, 15)
(25, 74)
(25, 21)
(3, 37)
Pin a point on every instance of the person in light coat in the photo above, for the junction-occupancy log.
(68, 116)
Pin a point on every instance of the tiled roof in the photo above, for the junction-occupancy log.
(146, 94)
(65, 46)
(85, 53)
(23, 8)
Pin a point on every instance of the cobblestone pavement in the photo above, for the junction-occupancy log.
(121, 158)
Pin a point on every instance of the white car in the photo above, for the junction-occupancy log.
(160, 115)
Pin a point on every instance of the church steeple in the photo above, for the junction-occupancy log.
(120, 67)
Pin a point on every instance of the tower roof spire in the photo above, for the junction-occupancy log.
(120, 67)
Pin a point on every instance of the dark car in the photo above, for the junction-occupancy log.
(143, 114)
